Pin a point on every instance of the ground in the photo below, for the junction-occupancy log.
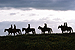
(38, 42)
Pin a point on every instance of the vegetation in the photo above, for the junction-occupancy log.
(38, 42)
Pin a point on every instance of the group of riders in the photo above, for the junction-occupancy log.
(65, 25)
(45, 26)
(12, 27)
(28, 26)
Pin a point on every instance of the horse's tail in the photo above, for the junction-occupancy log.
(51, 30)
(34, 32)
(72, 30)
(20, 32)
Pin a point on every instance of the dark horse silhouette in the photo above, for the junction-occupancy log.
(29, 30)
(64, 28)
(45, 29)
(13, 31)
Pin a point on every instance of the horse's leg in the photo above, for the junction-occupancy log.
(70, 31)
(25, 33)
(50, 31)
(8, 33)
(20, 32)
(14, 34)
(41, 32)
(62, 31)
(28, 32)
(33, 32)
(44, 32)
(11, 33)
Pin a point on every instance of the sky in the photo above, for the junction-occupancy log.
(36, 13)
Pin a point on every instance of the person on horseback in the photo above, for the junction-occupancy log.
(14, 26)
(65, 24)
(28, 29)
(28, 26)
(45, 26)
(11, 27)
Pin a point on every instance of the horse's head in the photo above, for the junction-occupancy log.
(5, 30)
(39, 27)
(23, 29)
(59, 26)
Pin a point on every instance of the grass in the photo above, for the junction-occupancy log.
(38, 42)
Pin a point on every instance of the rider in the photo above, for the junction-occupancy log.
(65, 24)
(11, 27)
(28, 29)
(28, 26)
(45, 25)
(14, 26)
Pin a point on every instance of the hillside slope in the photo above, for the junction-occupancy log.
(38, 42)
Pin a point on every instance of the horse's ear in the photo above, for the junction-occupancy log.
(61, 25)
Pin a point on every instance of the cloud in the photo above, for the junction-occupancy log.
(12, 13)
(32, 14)
(57, 19)
(40, 4)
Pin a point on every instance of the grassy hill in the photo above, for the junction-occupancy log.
(38, 42)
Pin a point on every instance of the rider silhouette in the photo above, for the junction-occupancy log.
(11, 27)
(45, 26)
(14, 26)
(28, 26)
(65, 24)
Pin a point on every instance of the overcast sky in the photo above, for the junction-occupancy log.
(41, 4)
(36, 13)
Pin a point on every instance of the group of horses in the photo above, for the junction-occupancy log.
(43, 30)
(27, 30)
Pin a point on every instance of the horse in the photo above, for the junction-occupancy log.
(45, 29)
(29, 30)
(64, 28)
(18, 30)
(13, 31)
